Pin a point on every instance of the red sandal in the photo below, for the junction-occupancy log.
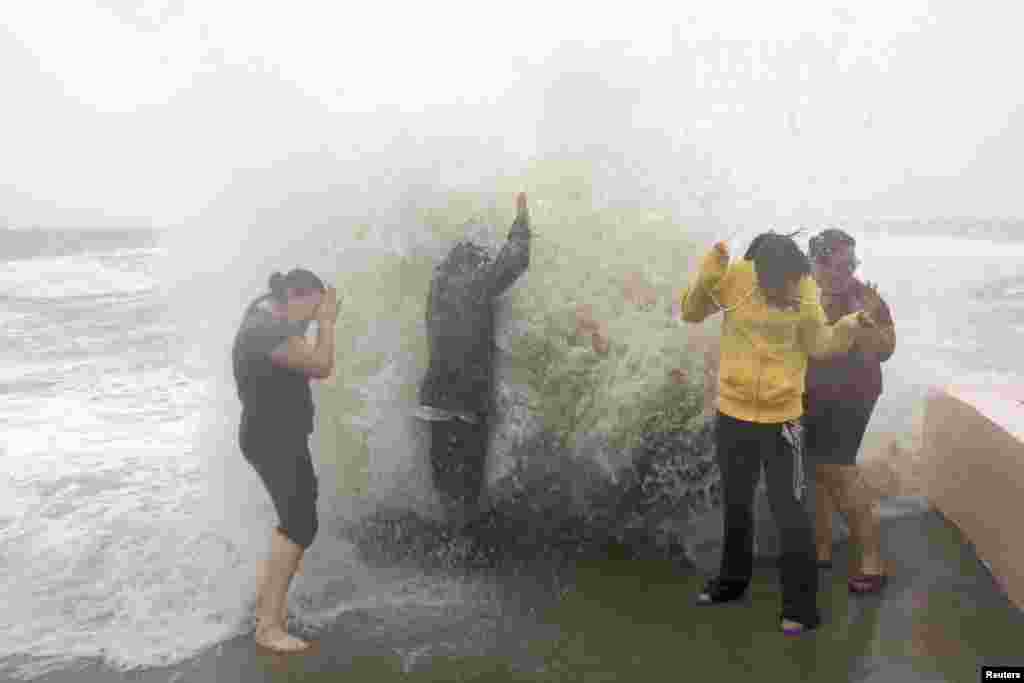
(867, 583)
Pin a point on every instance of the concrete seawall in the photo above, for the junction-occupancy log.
(971, 469)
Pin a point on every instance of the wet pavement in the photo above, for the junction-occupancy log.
(940, 618)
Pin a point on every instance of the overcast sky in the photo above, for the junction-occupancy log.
(145, 108)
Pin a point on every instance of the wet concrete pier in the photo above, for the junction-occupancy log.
(940, 618)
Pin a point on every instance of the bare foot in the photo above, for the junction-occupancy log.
(277, 639)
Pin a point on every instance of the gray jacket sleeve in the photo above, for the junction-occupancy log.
(513, 258)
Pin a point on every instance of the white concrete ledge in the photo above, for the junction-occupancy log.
(972, 470)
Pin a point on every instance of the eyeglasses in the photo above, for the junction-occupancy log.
(842, 267)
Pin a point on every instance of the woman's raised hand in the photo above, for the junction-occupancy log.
(721, 249)
(329, 307)
(873, 305)
(865, 319)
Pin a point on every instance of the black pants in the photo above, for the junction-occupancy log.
(742, 448)
(285, 466)
(458, 454)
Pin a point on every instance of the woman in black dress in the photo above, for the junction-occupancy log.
(273, 364)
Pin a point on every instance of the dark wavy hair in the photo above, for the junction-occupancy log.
(827, 241)
(752, 249)
(298, 279)
(778, 261)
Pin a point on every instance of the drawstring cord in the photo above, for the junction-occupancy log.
(792, 433)
(795, 301)
(727, 309)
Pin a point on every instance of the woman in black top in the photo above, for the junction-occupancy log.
(272, 365)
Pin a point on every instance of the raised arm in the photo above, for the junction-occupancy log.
(514, 256)
(317, 361)
(819, 339)
(697, 300)
(880, 340)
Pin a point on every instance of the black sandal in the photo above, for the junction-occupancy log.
(717, 591)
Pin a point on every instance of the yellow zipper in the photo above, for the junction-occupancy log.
(757, 389)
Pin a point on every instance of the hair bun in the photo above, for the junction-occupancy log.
(276, 283)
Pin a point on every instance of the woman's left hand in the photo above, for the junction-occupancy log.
(873, 304)
(865, 319)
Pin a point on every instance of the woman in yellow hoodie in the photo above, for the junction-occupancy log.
(773, 323)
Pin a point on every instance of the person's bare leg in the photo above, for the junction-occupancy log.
(264, 579)
(284, 603)
(270, 627)
(868, 524)
(263, 585)
(861, 512)
(824, 507)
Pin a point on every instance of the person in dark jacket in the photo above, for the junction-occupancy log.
(456, 393)
(841, 395)
(273, 365)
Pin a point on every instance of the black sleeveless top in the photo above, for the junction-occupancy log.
(273, 398)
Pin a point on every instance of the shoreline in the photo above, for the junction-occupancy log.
(384, 640)
(940, 618)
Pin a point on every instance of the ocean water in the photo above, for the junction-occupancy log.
(958, 308)
(114, 538)
(119, 535)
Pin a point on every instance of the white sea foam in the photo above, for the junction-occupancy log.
(72, 276)
(134, 531)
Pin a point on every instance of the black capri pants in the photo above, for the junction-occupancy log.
(285, 465)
